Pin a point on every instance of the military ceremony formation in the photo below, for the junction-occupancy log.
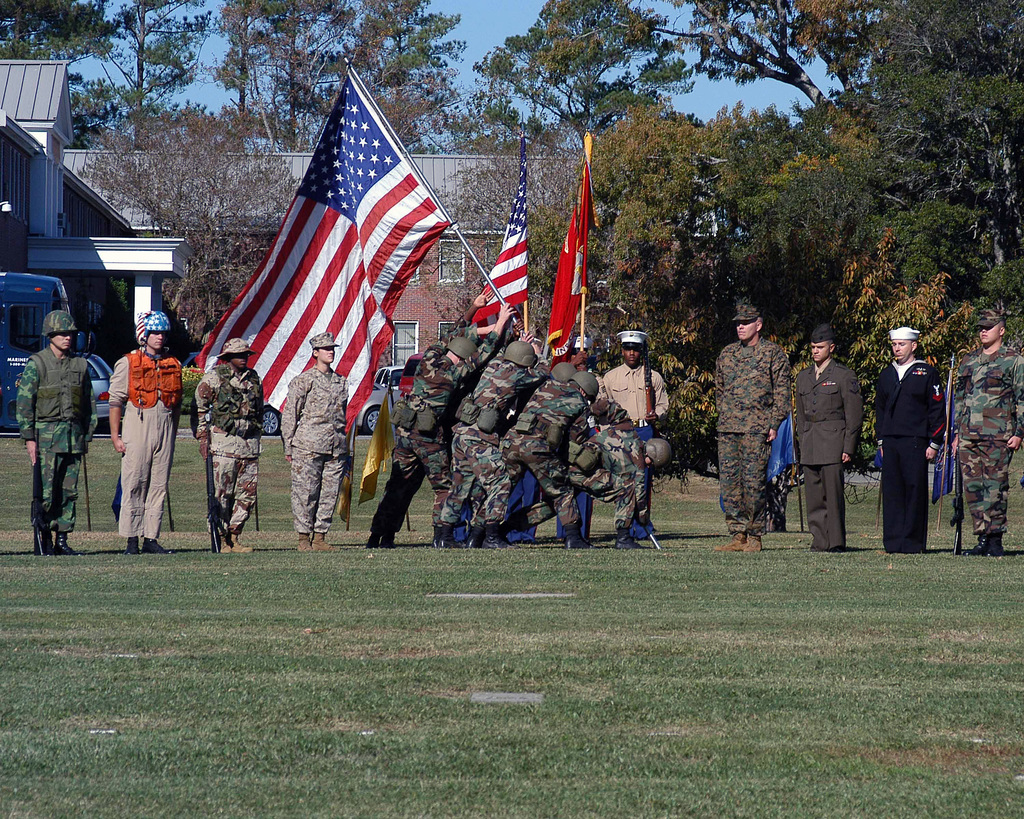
(485, 411)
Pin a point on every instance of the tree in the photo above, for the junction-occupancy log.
(194, 178)
(747, 40)
(52, 29)
(584, 63)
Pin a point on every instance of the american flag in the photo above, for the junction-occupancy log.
(352, 238)
(510, 271)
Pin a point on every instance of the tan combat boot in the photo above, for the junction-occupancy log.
(304, 545)
(320, 544)
(225, 543)
(737, 544)
(753, 544)
(236, 544)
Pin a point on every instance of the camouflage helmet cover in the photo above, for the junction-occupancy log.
(236, 347)
(58, 321)
(521, 353)
(659, 451)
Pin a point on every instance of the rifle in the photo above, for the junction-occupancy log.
(648, 385)
(957, 521)
(40, 531)
(213, 510)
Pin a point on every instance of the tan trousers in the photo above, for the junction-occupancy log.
(148, 437)
(316, 480)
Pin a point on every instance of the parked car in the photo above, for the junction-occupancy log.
(366, 421)
(99, 373)
(388, 376)
(405, 385)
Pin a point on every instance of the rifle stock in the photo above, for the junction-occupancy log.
(213, 510)
(39, 528)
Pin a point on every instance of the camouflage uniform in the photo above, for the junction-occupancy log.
(478, 470)
(752, 392)
(989, 396)
(313, 432)
(423, 425)
(57, 409)
(555, 414)
(234, 428)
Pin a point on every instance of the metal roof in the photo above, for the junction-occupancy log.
(35, 92)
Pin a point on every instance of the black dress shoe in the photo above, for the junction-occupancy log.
(151, 547)
(133, 546)
(60, 546)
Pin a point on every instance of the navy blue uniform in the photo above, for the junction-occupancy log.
(910, 416)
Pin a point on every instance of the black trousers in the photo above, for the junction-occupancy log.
(826, 506)
(904, 494)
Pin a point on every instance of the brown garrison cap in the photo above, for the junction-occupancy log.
(235, 346)
(990, 318)
(322, 340)
(823, 332)
(746, 312)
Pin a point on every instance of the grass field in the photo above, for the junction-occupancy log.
(679, 682)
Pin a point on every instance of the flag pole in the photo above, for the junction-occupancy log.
(454, 225)
(948, 445)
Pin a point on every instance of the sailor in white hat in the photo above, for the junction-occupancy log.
(911, 424)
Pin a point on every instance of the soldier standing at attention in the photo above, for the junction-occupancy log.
(910, 415)
(56, 413)
(989, 396)
(423, 424)
(232, 394)
(829, 410)
(315, 444)
(752, 392)
(626, 384)
(145, 390)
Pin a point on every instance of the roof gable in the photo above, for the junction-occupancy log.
(35, 93)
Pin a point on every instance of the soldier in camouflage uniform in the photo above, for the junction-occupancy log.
(554, 418)
(229, 402)
(752, 392)
(478, 470)
(56, 413)
(423, 424)
(989, 397)
(315, 444)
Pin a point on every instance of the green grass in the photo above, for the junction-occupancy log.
(680, 682)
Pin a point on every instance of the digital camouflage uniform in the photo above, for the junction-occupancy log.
(235, 426)
(555, 414)
(989, 396)
(313, 432)
(479, 474)
(423, 424)
(752, 392)
(57, 409)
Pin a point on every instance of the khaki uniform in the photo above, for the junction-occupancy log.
(313, 432)
(627, 387)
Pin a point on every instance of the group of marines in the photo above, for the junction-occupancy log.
(484, 410)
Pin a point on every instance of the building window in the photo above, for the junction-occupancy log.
(444, 328)
(453, 262)
(14, 179)
(405, 342)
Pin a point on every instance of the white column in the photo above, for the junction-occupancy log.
(148, 295)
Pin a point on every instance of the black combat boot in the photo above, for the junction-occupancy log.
(493, 539)
(624, 540)
(574, 538)
(46, 536)
(133, 546)
(981, 548)
(60, 546)
(475, 539)
(381, 540)
(995, 545)
(151, 547)
(516, 522)
(444, 537)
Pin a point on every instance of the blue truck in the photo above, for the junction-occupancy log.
(24, 300)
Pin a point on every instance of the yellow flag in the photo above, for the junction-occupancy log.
(379, 453)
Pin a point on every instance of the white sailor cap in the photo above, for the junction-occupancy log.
(632, 337)
(904, 334)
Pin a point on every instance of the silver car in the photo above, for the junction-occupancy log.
(366, 421)
(100, 372)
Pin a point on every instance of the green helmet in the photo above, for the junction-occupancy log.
(659, 451)
(58, 321)
(521, 353)
(462, 347)
(588, 383)
(563, 371)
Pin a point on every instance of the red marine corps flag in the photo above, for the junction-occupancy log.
(571, 279)
(358, 228)
(510, 271)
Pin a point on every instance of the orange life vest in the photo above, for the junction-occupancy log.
(150, 380)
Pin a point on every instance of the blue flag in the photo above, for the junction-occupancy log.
(782, 449)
